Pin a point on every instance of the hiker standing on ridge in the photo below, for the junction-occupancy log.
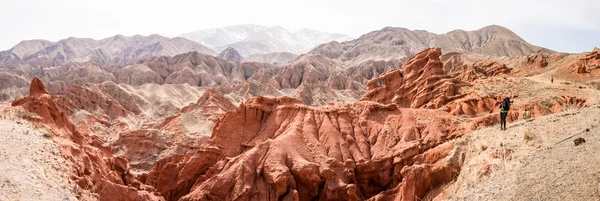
(504, 107)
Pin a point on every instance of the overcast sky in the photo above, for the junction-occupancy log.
(562, 25)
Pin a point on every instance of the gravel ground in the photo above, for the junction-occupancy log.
(530, 161)
(31, 167)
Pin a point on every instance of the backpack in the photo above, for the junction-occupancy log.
(507, 104)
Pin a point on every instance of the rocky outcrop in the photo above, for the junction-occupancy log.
(175, 176)
(186, 131)
(211, 102)
(480, 70)
(421, 83)
(282, 149)
(231, 54)
(541, 61)
(586, 66)
(137, 74)
(587, 63)
(232, 78)
(460, 67)
(92, 98)
(96, 170)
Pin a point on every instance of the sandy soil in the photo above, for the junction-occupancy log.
(32, 167)
(530, 161)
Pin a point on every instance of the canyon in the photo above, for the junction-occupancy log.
(381, 117)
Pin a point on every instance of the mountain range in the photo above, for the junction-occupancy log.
(116, 50)
(250, 39)
(393, 43)
(269, 45)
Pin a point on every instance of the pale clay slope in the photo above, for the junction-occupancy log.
(32, 167)
(503, 165)
(392, 43)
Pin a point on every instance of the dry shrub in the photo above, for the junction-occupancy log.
(595, 85)
(482, 147)
(528, 136)
(26, 115)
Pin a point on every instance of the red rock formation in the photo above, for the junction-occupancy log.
(421, 83)
(96, 169)
(143, 147)
(541, 61)
(175, 176)
(457, 66)
(585, 67)
(278, 148)
(284, 150)
(537, 61)
(91, 98)
(211, 102)
(588, 63)
(392, 145)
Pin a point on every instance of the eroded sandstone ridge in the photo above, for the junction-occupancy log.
(278, 148)
(393, 144)
(96, 169)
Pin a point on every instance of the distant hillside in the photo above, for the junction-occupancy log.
(398, 43)
(116, 50)
(255, 39)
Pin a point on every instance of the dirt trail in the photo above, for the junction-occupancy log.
(560, 84)
(529, 161)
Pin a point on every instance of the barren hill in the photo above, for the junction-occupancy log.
(399, 43)
(116, 50)
(230, 54)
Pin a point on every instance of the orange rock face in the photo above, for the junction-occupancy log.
(281, 149)
(389, 146)
(588, 63)
(96, 169)
(278, 148)
(86, 97)
(456, 66)
(540, 61)
(421, 83)
(143, 147)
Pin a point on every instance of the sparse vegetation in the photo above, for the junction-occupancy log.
(482, 147)
(546, 103)
(387, 128)
(595, 85)
(26, 115)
